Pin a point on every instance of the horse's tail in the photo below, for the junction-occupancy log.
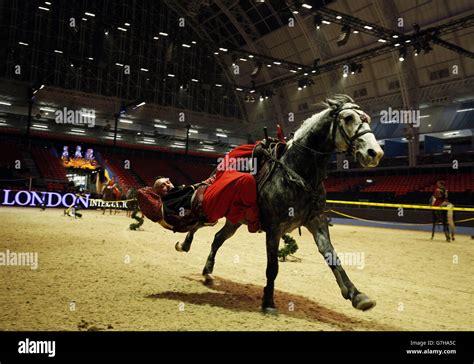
(101, 181)
(99, 185)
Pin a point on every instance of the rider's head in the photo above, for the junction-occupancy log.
(162, 186)
(440, 184)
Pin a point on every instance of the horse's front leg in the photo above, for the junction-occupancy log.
(319, 228)
(185, 246)
(273, 240)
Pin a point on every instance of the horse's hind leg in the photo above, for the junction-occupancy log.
(222, 235)
(436, 218)
(319, 228)
(442, 219)
(446, 232)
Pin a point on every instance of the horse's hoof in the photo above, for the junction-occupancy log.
(178, 247)
(209, 280)
(270, 311)
(363, 302)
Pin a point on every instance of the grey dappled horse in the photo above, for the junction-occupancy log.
(297, 185)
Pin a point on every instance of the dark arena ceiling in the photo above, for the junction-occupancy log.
(233, 67)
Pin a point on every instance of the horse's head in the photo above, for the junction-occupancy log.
(351, 131)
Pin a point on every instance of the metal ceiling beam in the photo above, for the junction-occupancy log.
(452, 47)
(387, 47)
(303, 70)
(394, 37)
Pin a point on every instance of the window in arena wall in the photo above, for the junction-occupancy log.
(392, 85)
(303, 106)
(437, 75)
(360, 93)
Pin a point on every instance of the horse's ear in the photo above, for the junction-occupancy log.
(331, 102)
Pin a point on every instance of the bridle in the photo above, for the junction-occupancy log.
(336, 125)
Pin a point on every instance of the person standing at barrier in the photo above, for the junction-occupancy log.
(440, 194)
(440, 199)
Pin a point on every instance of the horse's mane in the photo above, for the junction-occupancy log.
(327, 106)
(337, 100)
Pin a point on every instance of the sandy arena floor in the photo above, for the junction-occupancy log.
(95, 274)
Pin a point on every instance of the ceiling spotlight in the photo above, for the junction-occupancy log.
(256, 69)
(416, 28)
(427, 47)
(249, 98)
(355, 67)
(403, 54)
(318, 20)
(304, 83)
(344, 36)
(266, 94)
(139, 104)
